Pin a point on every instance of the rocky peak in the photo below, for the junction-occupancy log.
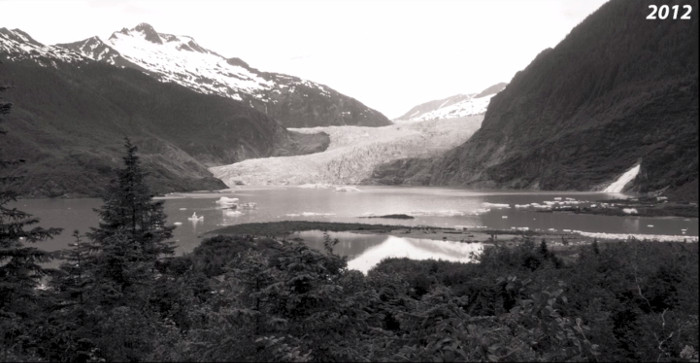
(149, 33)
(19, 36)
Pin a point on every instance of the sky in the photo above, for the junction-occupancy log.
(389, 54)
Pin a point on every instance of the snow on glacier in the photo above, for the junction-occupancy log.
(353, 153)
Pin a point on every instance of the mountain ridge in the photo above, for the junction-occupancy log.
(292, 101)
(460, 105)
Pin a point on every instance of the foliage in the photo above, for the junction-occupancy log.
(253, 298)
(20, 264)
(130, 210)
(283, 227)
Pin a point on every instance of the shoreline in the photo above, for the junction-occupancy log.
(473, 235)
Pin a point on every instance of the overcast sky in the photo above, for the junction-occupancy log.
(389, 54)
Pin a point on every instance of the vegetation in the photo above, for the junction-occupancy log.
(121, 296)
(20, 269)
(392, 216)
(285, 227)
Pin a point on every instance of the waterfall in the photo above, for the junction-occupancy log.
(618, 185)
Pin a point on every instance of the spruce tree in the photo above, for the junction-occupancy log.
(130, 215)
(20, 264)
(20, 268)
(132, 235)
(73, 279)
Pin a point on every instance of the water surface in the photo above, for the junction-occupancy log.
(443, 207)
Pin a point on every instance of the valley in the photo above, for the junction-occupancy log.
(353, 153)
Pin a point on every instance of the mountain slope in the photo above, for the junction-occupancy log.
(71, 113)
(453, 107)
(619, 90)
(179, 59)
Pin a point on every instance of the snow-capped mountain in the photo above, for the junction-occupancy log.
(95, 49)
(453, 107)
(180, 59)
(70, 114)
(17, 45)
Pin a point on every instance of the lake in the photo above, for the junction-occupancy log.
(442, 207)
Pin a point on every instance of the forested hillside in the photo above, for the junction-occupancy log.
(69, 121)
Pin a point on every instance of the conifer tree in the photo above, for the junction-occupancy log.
(20, 268)
(130, 214)
(20, 264)
(73, 280)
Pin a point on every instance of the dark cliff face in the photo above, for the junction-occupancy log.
(68, 122)
(617, 91)
(306, 105)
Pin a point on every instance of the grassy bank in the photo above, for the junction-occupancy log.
(641, 207)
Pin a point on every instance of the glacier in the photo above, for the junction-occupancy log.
(353, 153)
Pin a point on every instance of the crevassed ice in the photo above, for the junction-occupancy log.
(352, 155)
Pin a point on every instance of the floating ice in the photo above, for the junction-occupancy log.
(227, 200)
(232, 213)
(195, 217)
(654, 237)
(309, 214)
(496, 205)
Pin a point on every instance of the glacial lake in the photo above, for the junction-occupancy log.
(440, 207)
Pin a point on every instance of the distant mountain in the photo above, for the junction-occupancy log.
(618, 91)
(71, 113)
(453, 107)
(180, 59)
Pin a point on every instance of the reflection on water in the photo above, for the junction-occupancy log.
(441, 207)
(365, 251)
(416, 249)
